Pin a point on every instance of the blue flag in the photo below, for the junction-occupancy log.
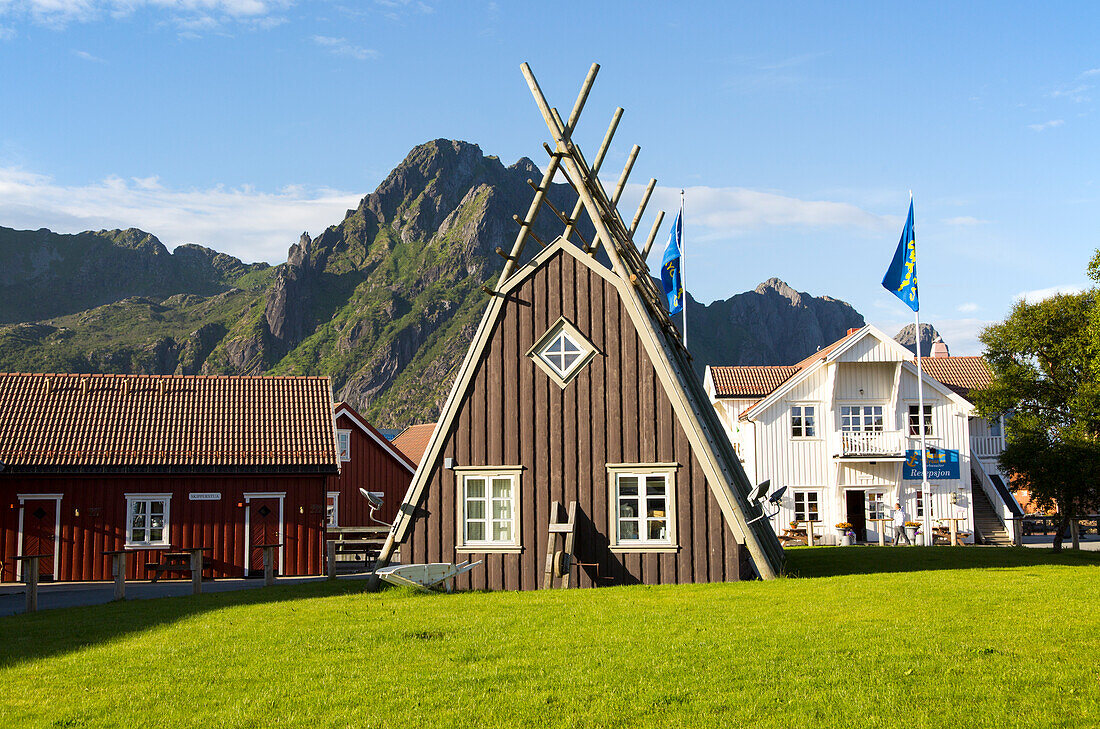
(901, 277)
(670, 269)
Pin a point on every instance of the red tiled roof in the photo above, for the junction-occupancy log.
(760, 381)
(382, 440)
(742, 381)
(960, 374)
(170, 423)
(413, 440)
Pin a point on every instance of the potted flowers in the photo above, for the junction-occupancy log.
(843, 527)
(911, 529)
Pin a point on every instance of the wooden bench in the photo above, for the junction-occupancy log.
(353, 550)
(188, 562)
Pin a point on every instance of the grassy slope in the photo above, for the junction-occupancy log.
(992, 646)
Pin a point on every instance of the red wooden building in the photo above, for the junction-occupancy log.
(577, 390)
(94, 463)
(368, 461)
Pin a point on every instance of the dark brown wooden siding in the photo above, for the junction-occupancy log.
(93, 519)
(373, 468)
(614, 411)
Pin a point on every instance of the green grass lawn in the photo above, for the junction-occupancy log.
(863, 637)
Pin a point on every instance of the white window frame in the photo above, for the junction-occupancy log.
(805, 493)
(488, 474)
(642, 471)
(562, 326)
(864, 412)
(343, 445)
(870, 510)
(332, 519)
(807, 427)
(912, 428)
(148, 499)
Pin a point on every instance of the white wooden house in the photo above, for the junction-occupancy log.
(841, 430)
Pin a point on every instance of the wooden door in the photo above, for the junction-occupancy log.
(264, 527)
(40, 534)
(855, 513)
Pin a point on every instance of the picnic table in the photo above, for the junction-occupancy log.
(183, 560)
(956, 537)
(882, 523)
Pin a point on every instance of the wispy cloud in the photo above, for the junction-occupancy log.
(88, 57)
(965, 220)
(1037, 295)
(342, 47)
(727, 210)
(1046, 125)
(244, 222)
(189, 15)
(1091, 72)
(967, 308)
(1077, 93)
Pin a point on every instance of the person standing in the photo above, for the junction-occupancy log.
(899, 525)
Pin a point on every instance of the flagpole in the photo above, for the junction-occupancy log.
(683, 268)
(925, 488)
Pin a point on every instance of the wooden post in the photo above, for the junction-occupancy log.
(269, 566)
(1018, 537)
(596, 164)
(119, 563)
(196, 572)
(569, 540)
(653, 234)
(641, 206)
(30, 575)
(621, 185)
(330, 558)
(1075, 532)
(954, 531)
(882, 532)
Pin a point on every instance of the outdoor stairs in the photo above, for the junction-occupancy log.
(990, 530)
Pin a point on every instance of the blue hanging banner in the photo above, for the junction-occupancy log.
(943, 465)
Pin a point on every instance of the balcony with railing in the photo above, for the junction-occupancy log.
(986, 446)
(864, 444)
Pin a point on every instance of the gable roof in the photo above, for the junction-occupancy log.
(954, 377)
(748, 381)
(961, 374)
(166, 423)
(342, 408)
(413, 440)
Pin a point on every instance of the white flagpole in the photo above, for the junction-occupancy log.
(683, 268)
(925, 488)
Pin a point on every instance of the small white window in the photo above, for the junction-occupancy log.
(147, 520)
(861, 418)
(995, 428)
(918, 501)
(803, 422)
(914, 420)
(489, 509)
(332, 509)
(562, 352)
(876, 505)
(643, 507)
(343, 444)
(806, 506)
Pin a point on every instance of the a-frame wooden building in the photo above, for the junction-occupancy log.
(577, 446)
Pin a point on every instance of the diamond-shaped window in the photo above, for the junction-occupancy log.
(562, 352)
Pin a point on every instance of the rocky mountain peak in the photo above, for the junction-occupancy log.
(928, 335)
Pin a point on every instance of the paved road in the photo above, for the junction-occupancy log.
(70, 594)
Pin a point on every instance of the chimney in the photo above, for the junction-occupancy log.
(852, 331)
(939, 349)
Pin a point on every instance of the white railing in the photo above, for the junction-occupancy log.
(883, 443)
(987, 445)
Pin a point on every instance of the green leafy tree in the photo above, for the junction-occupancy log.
(1046, 373)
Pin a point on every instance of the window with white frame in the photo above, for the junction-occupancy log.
(806, 506)
(147, 520)
(489, 508)
(643, 506)
(861, 419)
(918, 503)
(914, 420)
(562, 352)
(995, 427)
(332, 509)
(343, 444)
(803, 421)
(876, 505)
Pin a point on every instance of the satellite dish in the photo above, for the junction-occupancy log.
(759, 490)
(777, 495)
(374, 498)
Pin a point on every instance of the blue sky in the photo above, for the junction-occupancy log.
(796, 129)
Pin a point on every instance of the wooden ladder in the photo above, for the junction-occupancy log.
(560, 562)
